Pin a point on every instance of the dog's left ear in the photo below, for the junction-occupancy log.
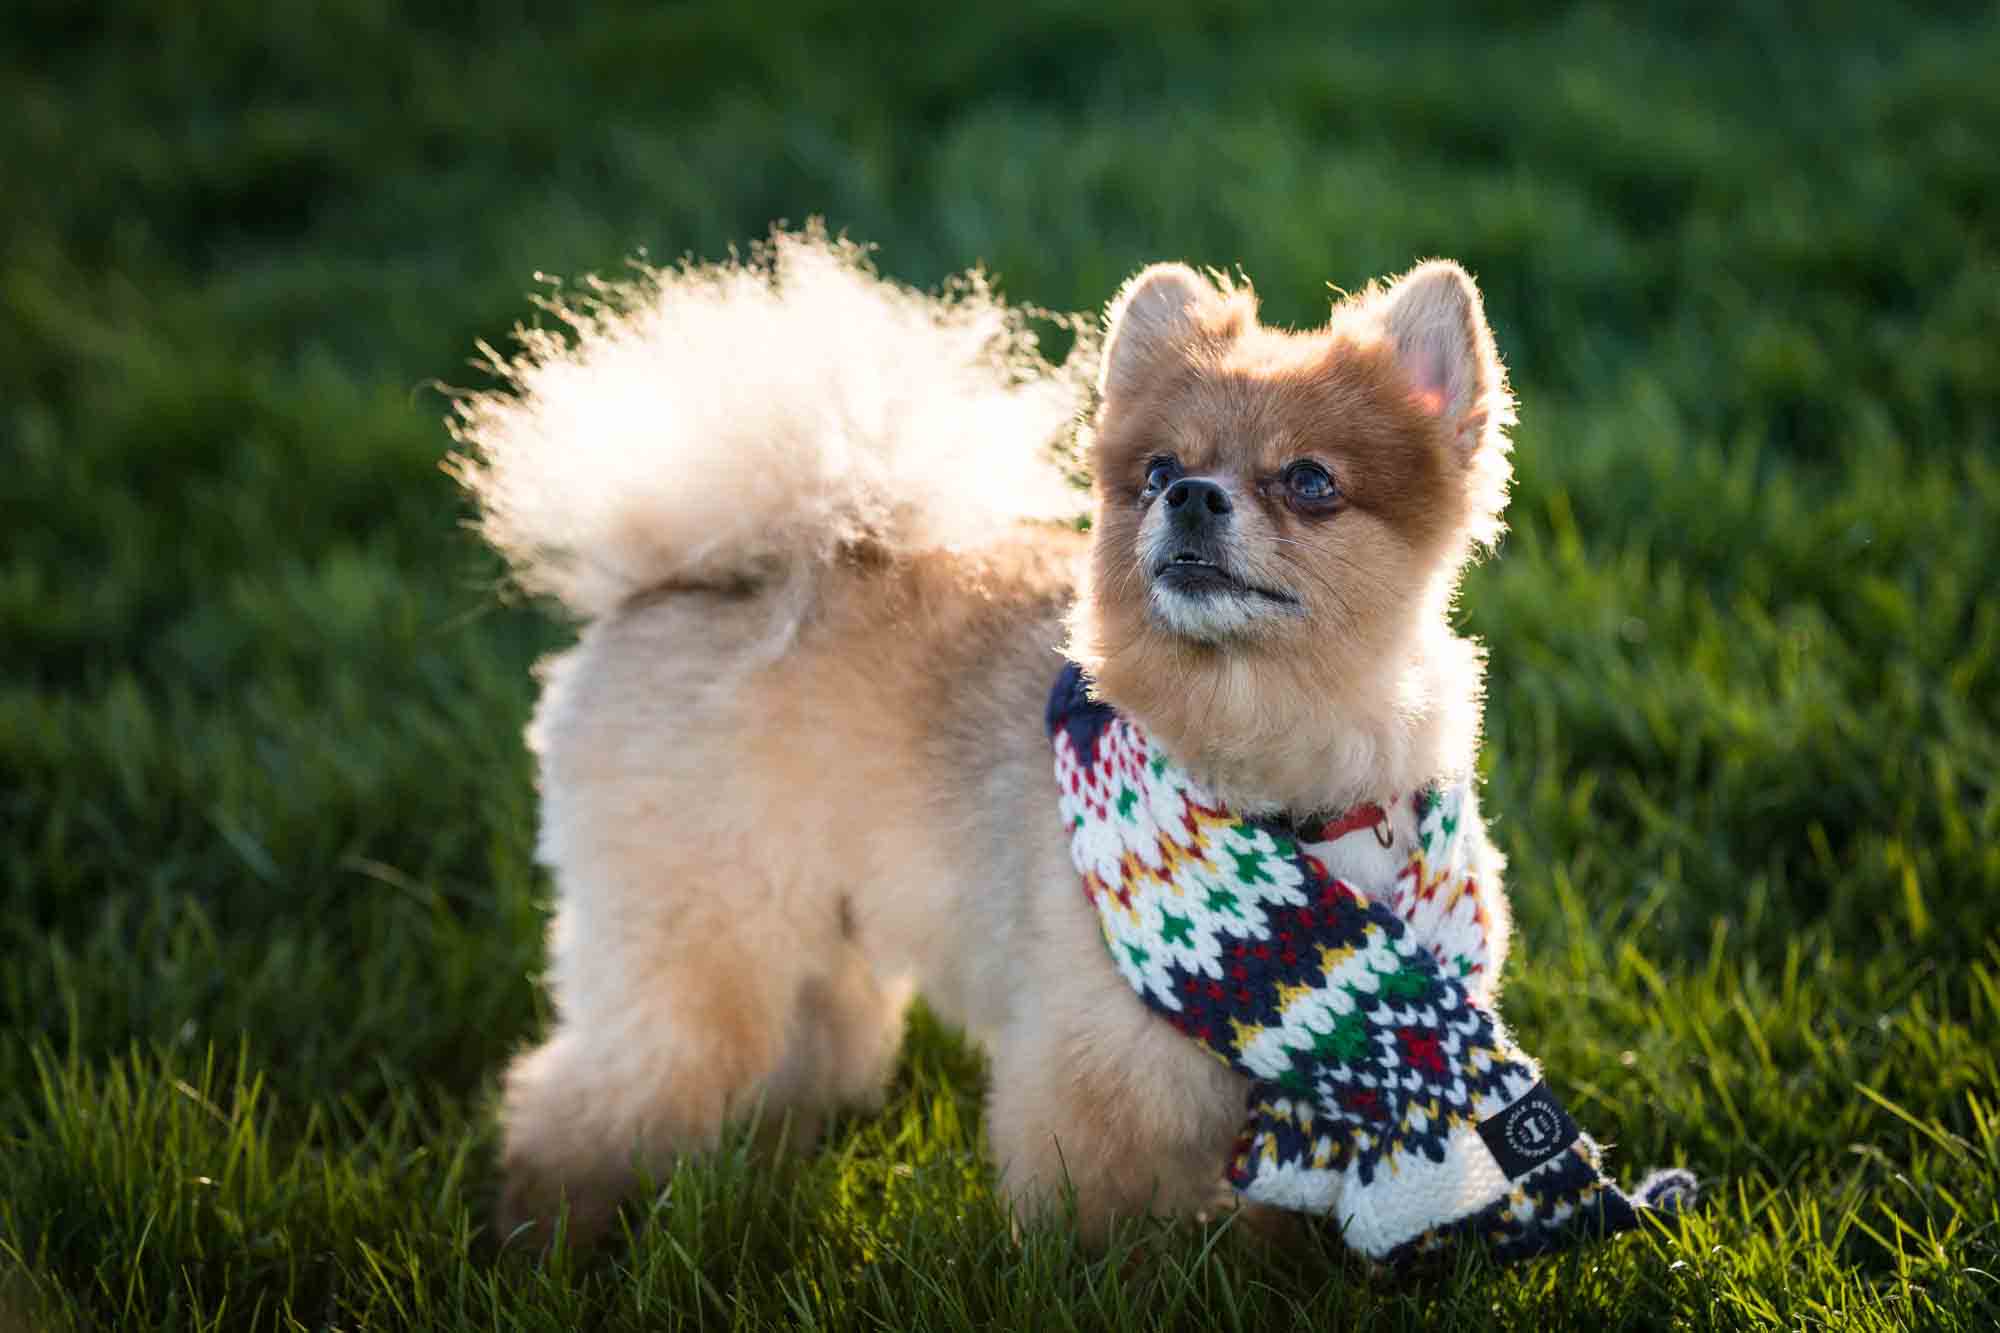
(1437, 325)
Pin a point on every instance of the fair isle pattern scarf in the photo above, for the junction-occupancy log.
(1343, 967)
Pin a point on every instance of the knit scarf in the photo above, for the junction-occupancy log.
(1343, 966)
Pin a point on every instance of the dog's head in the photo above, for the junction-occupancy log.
(1282, 517)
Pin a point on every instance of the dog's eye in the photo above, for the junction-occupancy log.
(1161, 472)
(1310, 483)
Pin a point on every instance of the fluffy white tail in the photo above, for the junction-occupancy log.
(722, 422)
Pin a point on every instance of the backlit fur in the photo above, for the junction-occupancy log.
(794, 772)
(1367, 690)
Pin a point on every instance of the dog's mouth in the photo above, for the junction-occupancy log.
(1191, 574)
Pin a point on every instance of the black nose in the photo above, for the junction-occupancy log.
(1192, 500)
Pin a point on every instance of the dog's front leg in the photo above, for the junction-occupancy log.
(1094, 1093)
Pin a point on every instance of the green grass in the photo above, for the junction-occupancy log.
(269, 923)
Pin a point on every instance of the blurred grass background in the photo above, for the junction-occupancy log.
(268, 919)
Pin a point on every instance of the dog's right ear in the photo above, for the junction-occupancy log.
(1152, 312)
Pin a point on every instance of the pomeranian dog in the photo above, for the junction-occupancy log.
(795, 770)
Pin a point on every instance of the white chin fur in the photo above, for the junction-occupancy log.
(1209, 617)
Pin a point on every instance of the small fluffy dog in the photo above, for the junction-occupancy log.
(795, 769)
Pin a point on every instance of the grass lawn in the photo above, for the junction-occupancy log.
(269, 922)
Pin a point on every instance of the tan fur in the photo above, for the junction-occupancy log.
(1394, 696)
(780, 802)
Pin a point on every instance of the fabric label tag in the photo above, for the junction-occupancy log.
(1529, 1132)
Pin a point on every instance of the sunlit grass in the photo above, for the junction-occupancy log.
(269, 923)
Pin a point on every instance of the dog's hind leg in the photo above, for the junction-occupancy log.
(670, 1029)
